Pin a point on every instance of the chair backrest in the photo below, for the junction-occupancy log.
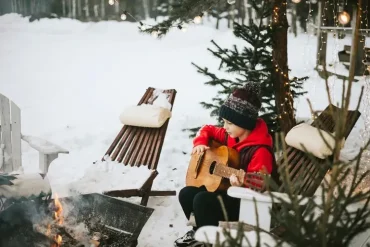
(10, 135)
(306, 173)
(137, 146)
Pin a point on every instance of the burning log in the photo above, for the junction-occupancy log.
(91, 220)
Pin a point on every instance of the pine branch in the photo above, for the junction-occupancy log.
(181, 12)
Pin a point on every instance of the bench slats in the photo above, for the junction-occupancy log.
(137, 146)
(304, 172)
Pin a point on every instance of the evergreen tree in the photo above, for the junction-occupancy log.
(334, 218)
(252, 63)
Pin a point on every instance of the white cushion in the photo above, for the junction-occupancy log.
(144, 115)
(305, 136)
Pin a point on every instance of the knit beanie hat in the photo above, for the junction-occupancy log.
(242, 106)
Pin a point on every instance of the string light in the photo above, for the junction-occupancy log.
(180, 25)
(198, 19)
(287, 105)
(155, 34)
(296, 1)
(343, 18)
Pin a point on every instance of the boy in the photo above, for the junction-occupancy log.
(246, 133)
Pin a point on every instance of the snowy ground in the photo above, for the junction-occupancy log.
(72, 80)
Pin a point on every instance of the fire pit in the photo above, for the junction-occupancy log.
(89, 220)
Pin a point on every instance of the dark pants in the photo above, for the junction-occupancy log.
(207, 207)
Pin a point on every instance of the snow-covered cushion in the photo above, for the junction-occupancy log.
(145, 115)
(305, 136)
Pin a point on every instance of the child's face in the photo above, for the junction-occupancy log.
(233, 130)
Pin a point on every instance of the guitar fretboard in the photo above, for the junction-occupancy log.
(226, 172)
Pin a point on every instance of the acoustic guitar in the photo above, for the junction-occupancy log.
(214, 167)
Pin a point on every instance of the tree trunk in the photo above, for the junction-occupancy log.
(169, 7)
(280, 78)
(87, 13)
(218, 15)
(250, 17)
(242, 11)
(74, 9)
(79, 9)
(70, 8)
(232, 13)
(96, 11)
(146, 9)
(294, 19)
(116, 10)
(64, 7)
(154, 9)
(102, 9)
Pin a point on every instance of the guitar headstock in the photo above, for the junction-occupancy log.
(256, 181)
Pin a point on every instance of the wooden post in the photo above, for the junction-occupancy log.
(357, 52)
(322, 38)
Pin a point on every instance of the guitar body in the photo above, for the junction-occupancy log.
(201, 166)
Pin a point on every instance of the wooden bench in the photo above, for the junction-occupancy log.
(139, 146)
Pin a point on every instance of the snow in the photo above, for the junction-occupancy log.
(72, 80)
(105, 176)
(25, 185)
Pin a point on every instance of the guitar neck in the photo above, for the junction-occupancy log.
(226, 172)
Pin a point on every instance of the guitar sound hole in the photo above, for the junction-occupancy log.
(212, 167)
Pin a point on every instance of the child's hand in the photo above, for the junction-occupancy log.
(199, 149)
(234, 181)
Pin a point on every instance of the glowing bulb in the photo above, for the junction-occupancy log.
(343, 18)
(111, 2)
(197, 19)
(155, 34)
(123, 17)
(296, 1)
(231, 1)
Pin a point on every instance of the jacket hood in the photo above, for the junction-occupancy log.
(258, 136)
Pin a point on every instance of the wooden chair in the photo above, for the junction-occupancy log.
(306, 175)
(139, 146)
(10, 140)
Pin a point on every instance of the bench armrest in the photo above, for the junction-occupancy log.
(47, 151)
(43, 146)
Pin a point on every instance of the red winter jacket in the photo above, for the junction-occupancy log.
(262, 159)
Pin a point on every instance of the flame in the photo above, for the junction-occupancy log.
(58, 215)
(58, 240)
